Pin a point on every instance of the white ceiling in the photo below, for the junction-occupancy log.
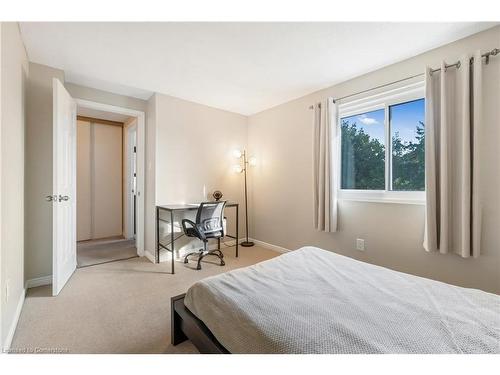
(239, 67)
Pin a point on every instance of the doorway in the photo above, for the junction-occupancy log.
(64, 165)
(108, 206)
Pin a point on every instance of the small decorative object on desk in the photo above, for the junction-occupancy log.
(217, 195)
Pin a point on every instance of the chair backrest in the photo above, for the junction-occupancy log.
(210, 216)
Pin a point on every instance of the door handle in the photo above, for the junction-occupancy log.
(51, 198)
(63, 198)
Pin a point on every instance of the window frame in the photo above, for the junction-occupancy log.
(357, 106)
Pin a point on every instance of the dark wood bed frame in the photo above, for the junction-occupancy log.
(186, 326)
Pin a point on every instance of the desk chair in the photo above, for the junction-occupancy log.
(209, 224)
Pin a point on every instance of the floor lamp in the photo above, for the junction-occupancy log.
(243, 169)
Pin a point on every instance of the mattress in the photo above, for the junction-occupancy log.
(315, 301)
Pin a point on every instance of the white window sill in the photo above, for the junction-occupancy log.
(397, 197)
(396, 201)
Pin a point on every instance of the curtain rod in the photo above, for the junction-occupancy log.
(486, 55)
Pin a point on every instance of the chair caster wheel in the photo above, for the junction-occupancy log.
(222, 263)
(198, 268)
(186, 261)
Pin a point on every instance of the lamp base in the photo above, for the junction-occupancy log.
(247, 244)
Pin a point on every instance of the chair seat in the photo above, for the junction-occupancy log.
(214, 235)
(191, 232)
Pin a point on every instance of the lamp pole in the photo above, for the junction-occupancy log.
(246, 243)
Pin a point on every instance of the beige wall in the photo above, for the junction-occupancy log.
(14, 71)
(193, 157)
(38, 249)
(281, 138)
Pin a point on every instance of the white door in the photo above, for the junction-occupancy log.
(64, 187)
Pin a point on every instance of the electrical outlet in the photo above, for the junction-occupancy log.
(360, 244)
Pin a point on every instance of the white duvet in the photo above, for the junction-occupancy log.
(316, 301)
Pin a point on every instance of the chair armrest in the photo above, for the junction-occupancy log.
(184, 221)
(196, 227)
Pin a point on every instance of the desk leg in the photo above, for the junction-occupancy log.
(237, 229)
(172, 238)
(157, 252)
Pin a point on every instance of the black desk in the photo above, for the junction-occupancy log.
(172, 208)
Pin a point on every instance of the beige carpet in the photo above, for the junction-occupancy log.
(119, 307)
(105, 250)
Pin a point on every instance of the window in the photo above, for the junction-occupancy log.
(363, 151)
(408, 149)
(382, 155)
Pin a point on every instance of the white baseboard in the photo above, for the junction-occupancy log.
(38, 281)
(230, 242)
(150, 256)
(15, 320)
(263, 244)
(269, 246)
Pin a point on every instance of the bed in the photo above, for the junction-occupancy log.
(315, 301)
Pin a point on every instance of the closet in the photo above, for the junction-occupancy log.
(99, 179)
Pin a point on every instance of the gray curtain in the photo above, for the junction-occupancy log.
(324, 176)
(452, 135)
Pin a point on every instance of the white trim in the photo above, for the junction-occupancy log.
(382, 196)
(13, 325)
(2, 286)
(263, 244)
(141, 154)
(385, 200)
(38, 281)
(131, 135)
(269, 246)
(149, 256)
(372, 102)
(92, 178)
(380, 100)
(225, 244)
